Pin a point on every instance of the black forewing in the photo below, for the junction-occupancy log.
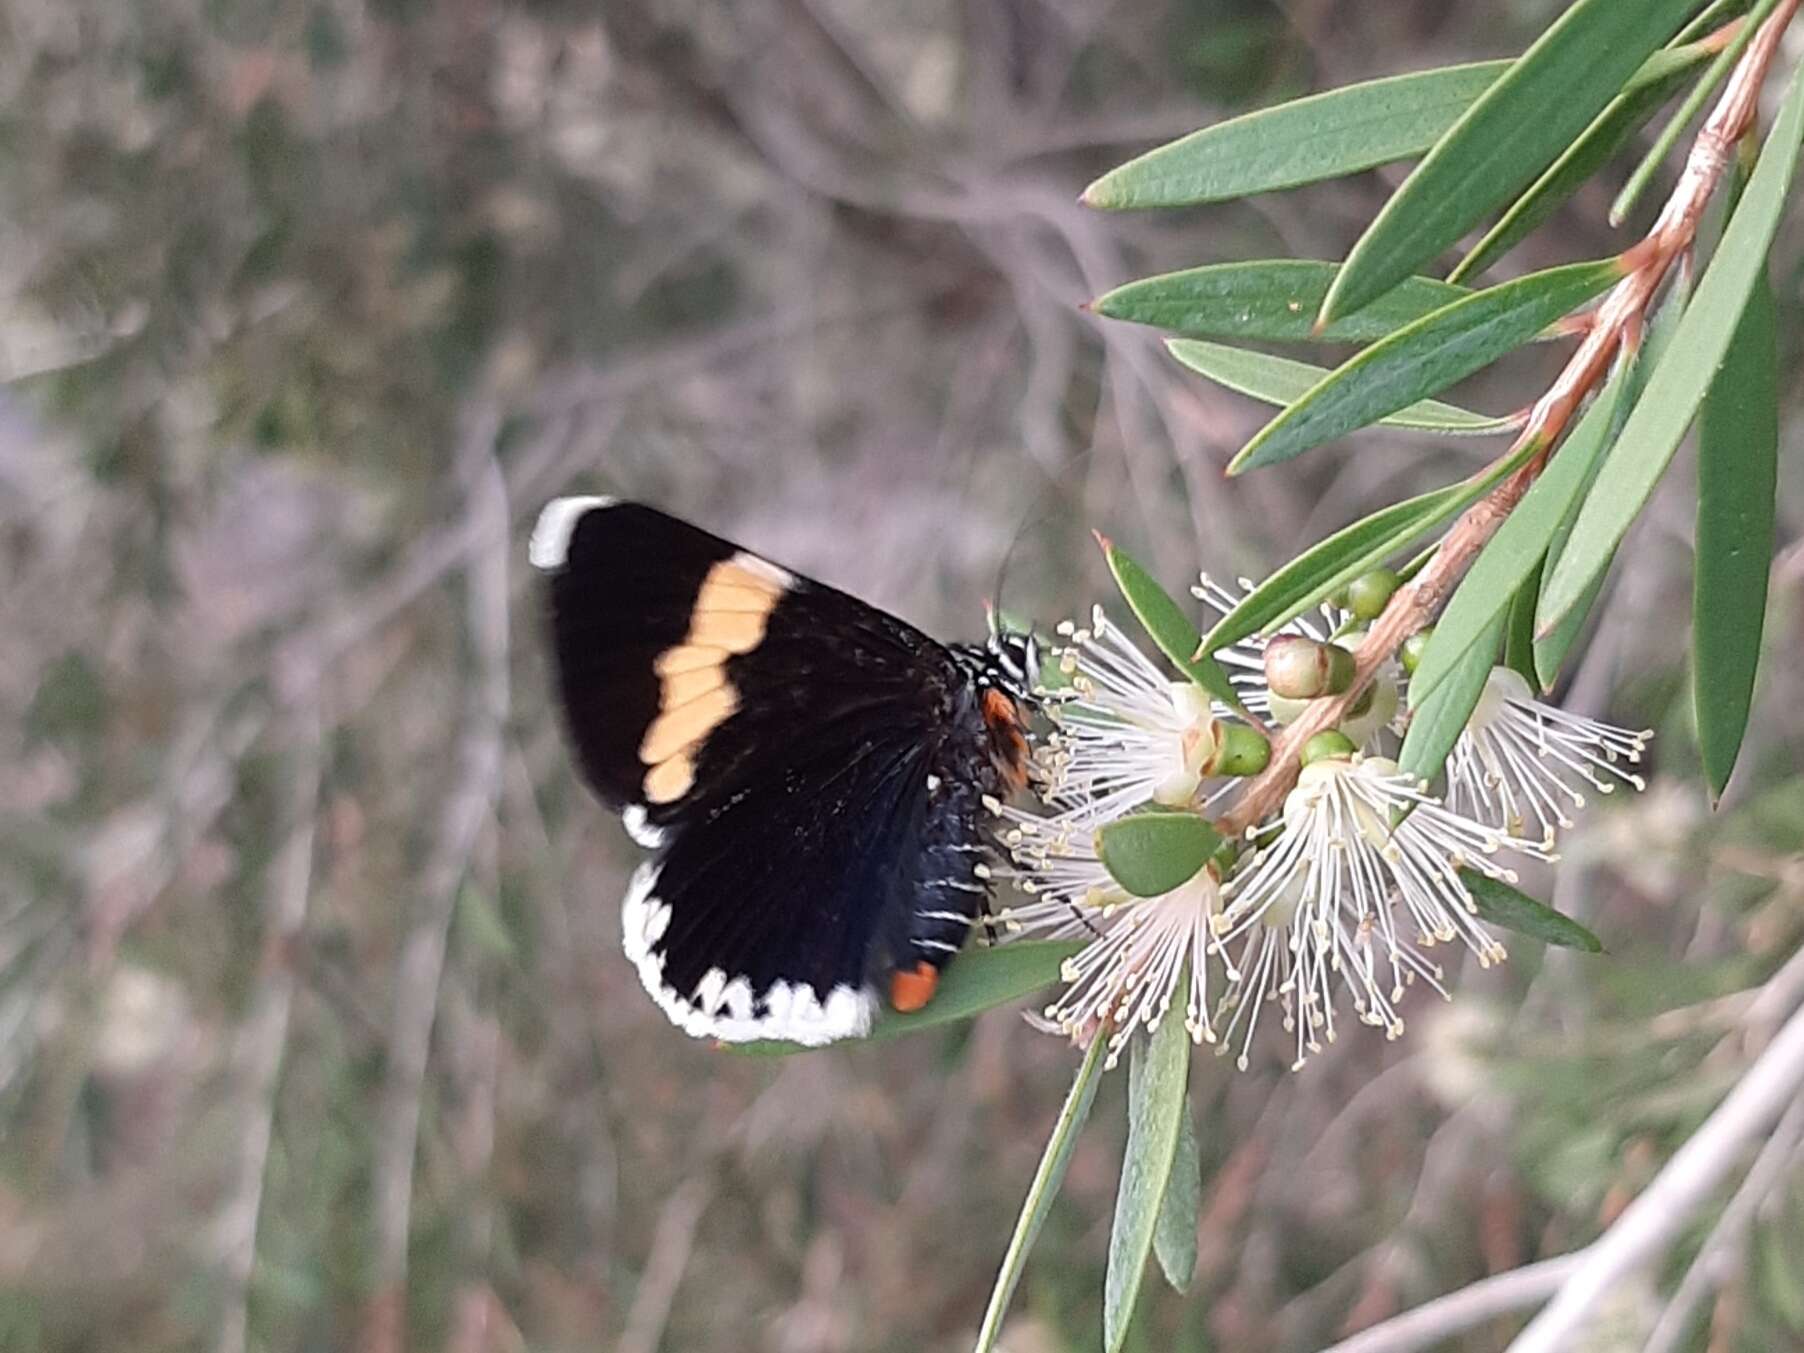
(622, 596)
(794, 856)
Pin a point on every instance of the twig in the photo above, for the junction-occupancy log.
(265, 1032)
(1722, 1249)
(467, 806)
(1618, 319)
(1444, 1317)
(1651, 1222)
(1643, 1230)
(670, 1246)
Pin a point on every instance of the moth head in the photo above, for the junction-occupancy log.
(1013, 662)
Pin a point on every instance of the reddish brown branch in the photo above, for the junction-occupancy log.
(1615, 327)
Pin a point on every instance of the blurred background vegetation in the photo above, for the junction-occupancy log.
(314, 1030)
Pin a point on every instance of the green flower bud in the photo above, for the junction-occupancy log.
(1369, 594)
(1414, 647)
(1241, 750)
(1302, 669)
(1326, 746)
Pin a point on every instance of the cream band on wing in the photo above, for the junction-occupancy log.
(695, 697)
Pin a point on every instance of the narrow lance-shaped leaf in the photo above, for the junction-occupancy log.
(1279, 380)
(1349, 552)
(1436, 720)
(1514, 130)
(1512, 555)
(1607, 134)
(1268, 301)
(1304, 141)
(1054, 1161)
(1153, 852)
(1425, 358)
(1519, 626)
(1307, 140)
(1501, 905)
(1166, 624)
(1738, 451)
(1676, 388)
(1158, 1069)
(1174, 1239)
(982, 977)
(1711, 17)
(1551, 648)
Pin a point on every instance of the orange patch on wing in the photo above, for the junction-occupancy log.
(669, 780)
(695, 694)
(688, 658)
(684, 725)
(735, 602)
(910, 991)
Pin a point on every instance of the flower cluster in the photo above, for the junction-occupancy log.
(1338, 901)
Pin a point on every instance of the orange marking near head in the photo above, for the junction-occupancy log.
(1008, 745)
(998, 708)
(909, 991)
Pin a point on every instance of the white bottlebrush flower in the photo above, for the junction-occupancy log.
(1143, 952)
(1518, 760)
(1125, 733)
(1332, 897)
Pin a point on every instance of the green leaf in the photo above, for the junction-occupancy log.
(1174, 1239)
(1643, 173)
(1519, 627)
(1426, 357)
(1158, 1067)
(1306, 140)
(1518, 547)
(1514, 130)
(1349, 552)
(1710, 18)
(1437, 718)
(1045, 1187)
(1502, 905)
(1608, 133)
(1677, 386)
(1551, 649)
(1270, 301)
(982, 977)
(1153, 852)
(1279, 380)
(1167, 625)
(1738, 450)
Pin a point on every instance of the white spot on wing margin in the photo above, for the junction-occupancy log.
(794, 1013)
(633, 818)
(550, 542)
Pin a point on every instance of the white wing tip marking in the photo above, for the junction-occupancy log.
(549, 545)
(722, 1009)
(774, 574)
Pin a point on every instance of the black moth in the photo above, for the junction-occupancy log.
(809, 773)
